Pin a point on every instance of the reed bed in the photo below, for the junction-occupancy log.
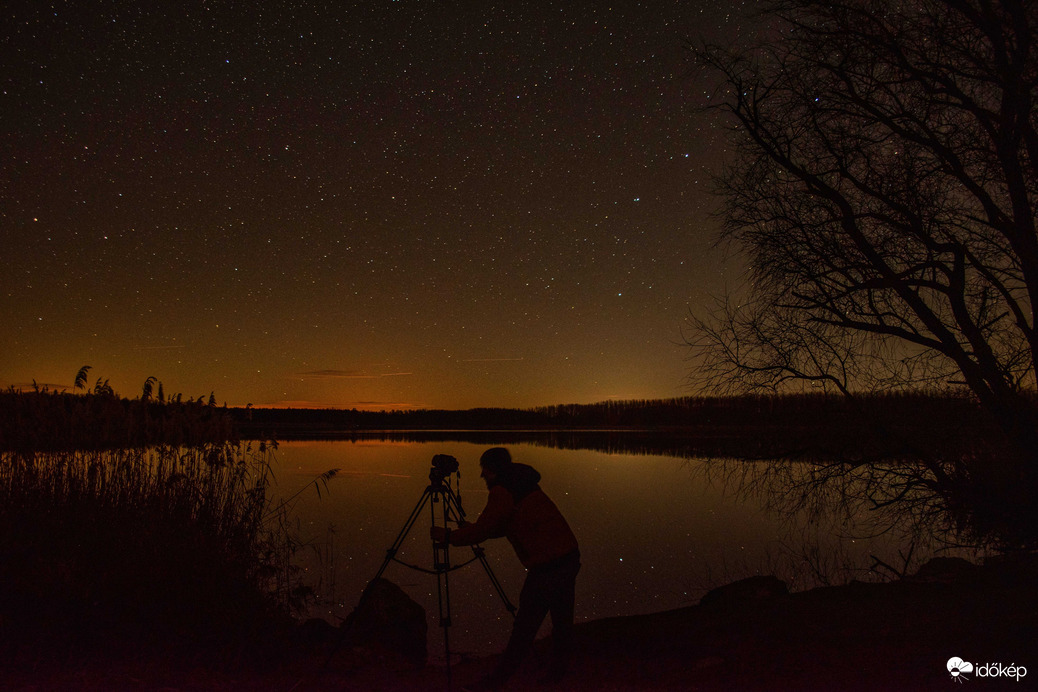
(145, 544)
(37, 421)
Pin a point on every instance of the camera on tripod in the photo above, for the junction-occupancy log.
(443, 465)
(444, 501)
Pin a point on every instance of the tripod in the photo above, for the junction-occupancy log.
(440, 492)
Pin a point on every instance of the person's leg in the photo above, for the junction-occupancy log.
(561, 606)
(534, 602)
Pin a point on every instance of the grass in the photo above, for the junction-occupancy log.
(159, 545)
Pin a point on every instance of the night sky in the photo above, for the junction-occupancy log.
(372, 205)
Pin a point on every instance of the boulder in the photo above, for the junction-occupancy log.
(745, 592)
(316, 631)
(946, 569)
(388, 619)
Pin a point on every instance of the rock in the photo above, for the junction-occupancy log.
(388, 618)
(1014, 568)
(316, 631)
(744, 592)
(946, 569)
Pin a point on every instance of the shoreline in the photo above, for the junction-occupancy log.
(859, 636)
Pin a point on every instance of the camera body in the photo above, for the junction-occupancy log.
(443, 465)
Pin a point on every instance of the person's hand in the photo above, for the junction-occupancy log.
(438, 534)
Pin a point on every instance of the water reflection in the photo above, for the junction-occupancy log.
(655, 531)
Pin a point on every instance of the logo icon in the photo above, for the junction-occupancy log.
(958, 668)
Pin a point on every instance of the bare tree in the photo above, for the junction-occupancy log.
(884, 191)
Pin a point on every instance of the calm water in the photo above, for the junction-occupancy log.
(655, 533)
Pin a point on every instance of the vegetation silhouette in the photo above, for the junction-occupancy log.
(884, 190)
(45, 419)
(140, 523)
(161, 544)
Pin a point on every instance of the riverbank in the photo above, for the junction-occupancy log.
(892, 636)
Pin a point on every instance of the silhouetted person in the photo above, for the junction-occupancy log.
(519, 510)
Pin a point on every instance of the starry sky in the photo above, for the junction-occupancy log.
(380, 205)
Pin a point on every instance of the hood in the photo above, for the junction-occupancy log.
(520, 480)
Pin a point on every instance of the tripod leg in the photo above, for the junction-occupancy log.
(415, 513)
(390, 554)
(478, 551)
(453, 505)
(442, 565)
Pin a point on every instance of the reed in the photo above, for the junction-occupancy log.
(159, 544)
(46, 420)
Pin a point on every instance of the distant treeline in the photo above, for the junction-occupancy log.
(786, 425)
(51, 420)
(873, 424)
(649, 414)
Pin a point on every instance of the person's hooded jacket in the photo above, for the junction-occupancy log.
(519, 510)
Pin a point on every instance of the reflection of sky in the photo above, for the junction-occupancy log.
(654, 535)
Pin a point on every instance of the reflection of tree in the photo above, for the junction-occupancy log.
(836, 526)
(884, 189)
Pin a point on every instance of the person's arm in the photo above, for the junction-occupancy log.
(491, 522)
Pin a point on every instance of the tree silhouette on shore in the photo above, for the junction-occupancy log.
(884, 190)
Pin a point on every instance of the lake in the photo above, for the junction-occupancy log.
(656, 532)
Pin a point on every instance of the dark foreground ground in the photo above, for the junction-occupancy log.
(895, 636)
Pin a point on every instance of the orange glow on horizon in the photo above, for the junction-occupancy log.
(358, 406)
